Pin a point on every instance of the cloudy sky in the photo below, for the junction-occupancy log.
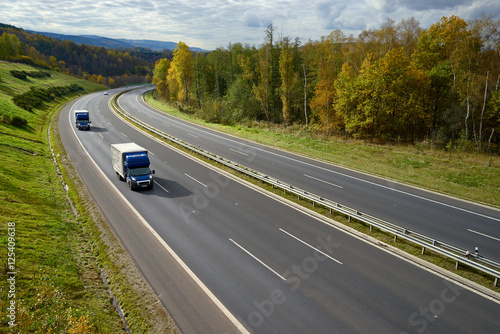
(212, 23)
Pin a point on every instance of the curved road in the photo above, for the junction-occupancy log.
(463, 224)
(224, 257)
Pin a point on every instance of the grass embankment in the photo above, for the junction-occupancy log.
(465, 175)
(50, 265)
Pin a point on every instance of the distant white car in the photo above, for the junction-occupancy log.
(105, 93)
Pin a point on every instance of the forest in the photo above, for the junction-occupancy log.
(396, 83)
(399, 82)
(113, 68)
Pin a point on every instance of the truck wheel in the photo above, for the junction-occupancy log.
(130, 185)
(119, 176)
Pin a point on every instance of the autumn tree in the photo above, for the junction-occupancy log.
(180, 73)
(345, 101)
(400, 87)
(266, 76)
(10, 46)
(289, 79)
(160, 77)
(328, 61)
(408, 33)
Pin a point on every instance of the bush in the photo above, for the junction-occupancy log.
(19, 74)
(39, 74)
(35, 97)
(17, 121)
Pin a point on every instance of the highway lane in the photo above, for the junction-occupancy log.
(277, 270)
(451, 220)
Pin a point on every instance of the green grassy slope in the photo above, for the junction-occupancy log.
(55, 284)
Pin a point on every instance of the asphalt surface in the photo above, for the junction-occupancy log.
(221, 254)
(457, 222)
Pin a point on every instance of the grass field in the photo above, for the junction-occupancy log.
(50, 274)
(54, 282)
(465, 175)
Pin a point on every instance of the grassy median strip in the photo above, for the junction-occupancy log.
(50, 278)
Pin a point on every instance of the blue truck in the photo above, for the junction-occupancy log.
(131, 164)
(82, 120)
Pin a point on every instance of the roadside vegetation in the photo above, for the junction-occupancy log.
(57, 283)
(420, 106)
(53, 263)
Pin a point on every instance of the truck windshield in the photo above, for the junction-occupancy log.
(139, 171)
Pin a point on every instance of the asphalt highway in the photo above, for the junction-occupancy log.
(225, 257)
(460, 223)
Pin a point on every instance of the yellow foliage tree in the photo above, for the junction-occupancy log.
(180, 73)
(160, 74)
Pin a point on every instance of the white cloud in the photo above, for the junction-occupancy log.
(210, 24)
(422, 5)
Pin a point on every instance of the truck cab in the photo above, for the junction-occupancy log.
(82, 120)
(138, 175)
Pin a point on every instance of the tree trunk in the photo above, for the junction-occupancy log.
(482, 111)
(305, 93)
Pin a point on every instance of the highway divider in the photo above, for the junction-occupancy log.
(459, 255)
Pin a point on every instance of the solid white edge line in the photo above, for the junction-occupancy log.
(310, 246)
(257, 259)
(193, 276)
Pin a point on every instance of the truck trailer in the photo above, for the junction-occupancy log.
(82, 120)
(131, 164)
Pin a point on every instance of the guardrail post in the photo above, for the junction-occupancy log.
(456, 265)
(395, 238)
(371, 228)
(496, 281)
(423, 250)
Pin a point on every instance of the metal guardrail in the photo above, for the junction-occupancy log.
(458, 254)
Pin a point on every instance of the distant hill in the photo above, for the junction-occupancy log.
(154, 45)
(111, 43)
